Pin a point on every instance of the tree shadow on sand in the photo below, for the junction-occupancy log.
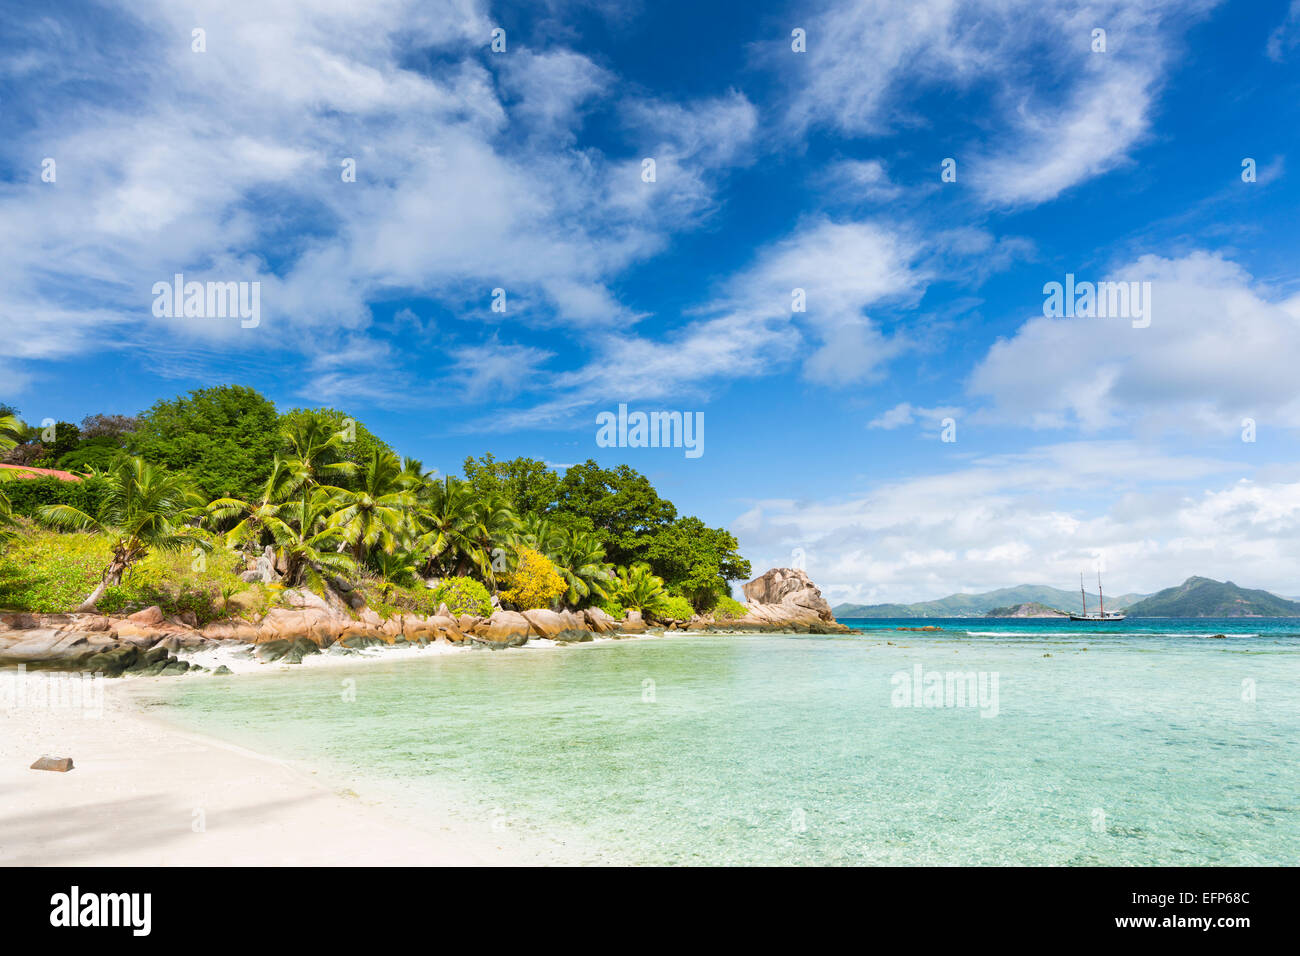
(99, 830)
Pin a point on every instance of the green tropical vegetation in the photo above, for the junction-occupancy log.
(176, 502)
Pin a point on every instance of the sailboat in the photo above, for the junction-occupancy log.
(1101, 615)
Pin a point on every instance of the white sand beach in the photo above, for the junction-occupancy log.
(143, 794)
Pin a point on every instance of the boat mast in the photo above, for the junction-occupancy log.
(1101, 597)
(1082, 594)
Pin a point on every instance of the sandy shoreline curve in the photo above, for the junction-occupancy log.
(146, 793)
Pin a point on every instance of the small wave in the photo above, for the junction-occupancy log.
(1096, 634)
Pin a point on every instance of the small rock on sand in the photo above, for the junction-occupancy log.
(59, 764)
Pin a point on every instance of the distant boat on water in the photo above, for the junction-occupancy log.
(1100, 615)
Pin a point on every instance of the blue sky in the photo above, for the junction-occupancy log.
(1080, 441)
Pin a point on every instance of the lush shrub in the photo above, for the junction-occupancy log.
(728, 608)
(386, 599)
(463, 596)
(612, 608)
(29, 494)
(639, 588)
(178, 582)
(674, 608)
(534, 583)
(48, 573)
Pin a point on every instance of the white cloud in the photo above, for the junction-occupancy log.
(1286, 36)
(862, 179)
(905, 413)
(844, 269)
(226, 165)
(1220, 348)
(1062, 113)
(1032, 518)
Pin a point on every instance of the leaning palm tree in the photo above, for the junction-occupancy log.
(374, 515)
(308, 541)
(580, 558)
(143, 509)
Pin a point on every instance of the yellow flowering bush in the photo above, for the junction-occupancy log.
(534, 583)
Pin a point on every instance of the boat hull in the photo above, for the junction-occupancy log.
(1097, 619)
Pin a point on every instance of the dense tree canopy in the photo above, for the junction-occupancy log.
(619, 504)
(332, 497)
(627, 517)
(224, 437)
(527, 485)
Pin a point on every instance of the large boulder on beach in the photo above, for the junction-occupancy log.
(233, 630)
(149, 617)
(558, 625)
(41, 644)
(57, 764)
(448, 627)
(784, 599)
(418, 628)
(509, 628)
(599, 621)
(790, 587)
(633, 623)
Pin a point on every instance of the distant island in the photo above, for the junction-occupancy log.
(1028, 609)
(1203, 597)
(979, 605)
(1195, 597)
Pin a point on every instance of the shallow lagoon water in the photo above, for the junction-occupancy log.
(1110, 746)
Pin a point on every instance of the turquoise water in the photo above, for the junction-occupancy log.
(1137, 744)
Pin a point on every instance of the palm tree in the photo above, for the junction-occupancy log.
(307, 540)
(447, 525)
(251, 526)
(496, 530)
(10, 432)
(396, 568)
(144, 508)
(580, 558)
(537, 532)
(315, 453)
(638, 588)
(376, 514)
(414, 474)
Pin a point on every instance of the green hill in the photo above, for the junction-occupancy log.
(1032, 609)
(978, 605)
(1202, 597)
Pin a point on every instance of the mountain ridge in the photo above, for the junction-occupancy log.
(1205, 597)
(977, 605)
